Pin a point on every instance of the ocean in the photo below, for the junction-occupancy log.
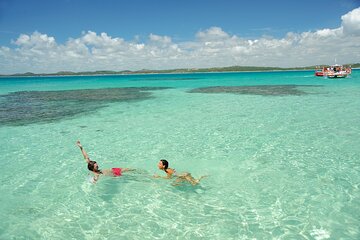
(281, 152)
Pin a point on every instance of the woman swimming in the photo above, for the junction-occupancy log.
(170, 173)
(94, 167)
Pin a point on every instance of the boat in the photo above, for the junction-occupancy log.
(333, 71)
(319, 72)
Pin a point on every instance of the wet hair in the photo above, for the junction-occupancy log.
(91, 167)
(165, 163)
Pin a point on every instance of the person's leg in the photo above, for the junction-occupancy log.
(127, 169)
(178, 181)
(191, 179)
(186, 177)
(194, 181)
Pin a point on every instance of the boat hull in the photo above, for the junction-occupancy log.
(337, 76)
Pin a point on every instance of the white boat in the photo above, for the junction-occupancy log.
(337, 71)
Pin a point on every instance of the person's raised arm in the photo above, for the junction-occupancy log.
(87, 159)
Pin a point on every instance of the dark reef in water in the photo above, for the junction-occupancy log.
(264, 90)
(27, 107)
(166, 79)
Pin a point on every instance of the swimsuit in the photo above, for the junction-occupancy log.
(174, 173)
(116, 172)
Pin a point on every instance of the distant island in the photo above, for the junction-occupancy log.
(180, 70)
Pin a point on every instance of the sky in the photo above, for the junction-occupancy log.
(45, 36)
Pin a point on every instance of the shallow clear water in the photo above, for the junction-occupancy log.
(280, 166)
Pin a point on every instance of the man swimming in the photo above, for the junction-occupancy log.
(180, 178)
(94, 167)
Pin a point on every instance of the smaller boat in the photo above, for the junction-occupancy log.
(319, 72)
(333, 71)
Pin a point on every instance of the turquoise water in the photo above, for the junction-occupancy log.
(281, 151)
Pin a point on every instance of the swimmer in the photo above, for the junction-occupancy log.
(94, 167)
(180, 178)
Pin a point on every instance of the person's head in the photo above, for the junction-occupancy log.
(163, 164)
(93, 166)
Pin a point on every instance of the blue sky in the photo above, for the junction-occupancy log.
(181, 21)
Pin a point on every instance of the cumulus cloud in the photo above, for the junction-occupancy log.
(160, 39)
(35, 40)
(351, 22)
(211, 47)
(212, 34)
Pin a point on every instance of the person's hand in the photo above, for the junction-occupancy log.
(78, 144)
(156, 176)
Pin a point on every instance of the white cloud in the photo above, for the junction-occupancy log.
(41, 53)
(327, 32)
(36, 40)
(351, 22)
(212, 34)
(160, 39)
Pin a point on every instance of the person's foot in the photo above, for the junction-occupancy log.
(203, 177)
(196, 181)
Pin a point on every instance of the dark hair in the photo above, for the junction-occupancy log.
(91, 167)
(165, 163)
